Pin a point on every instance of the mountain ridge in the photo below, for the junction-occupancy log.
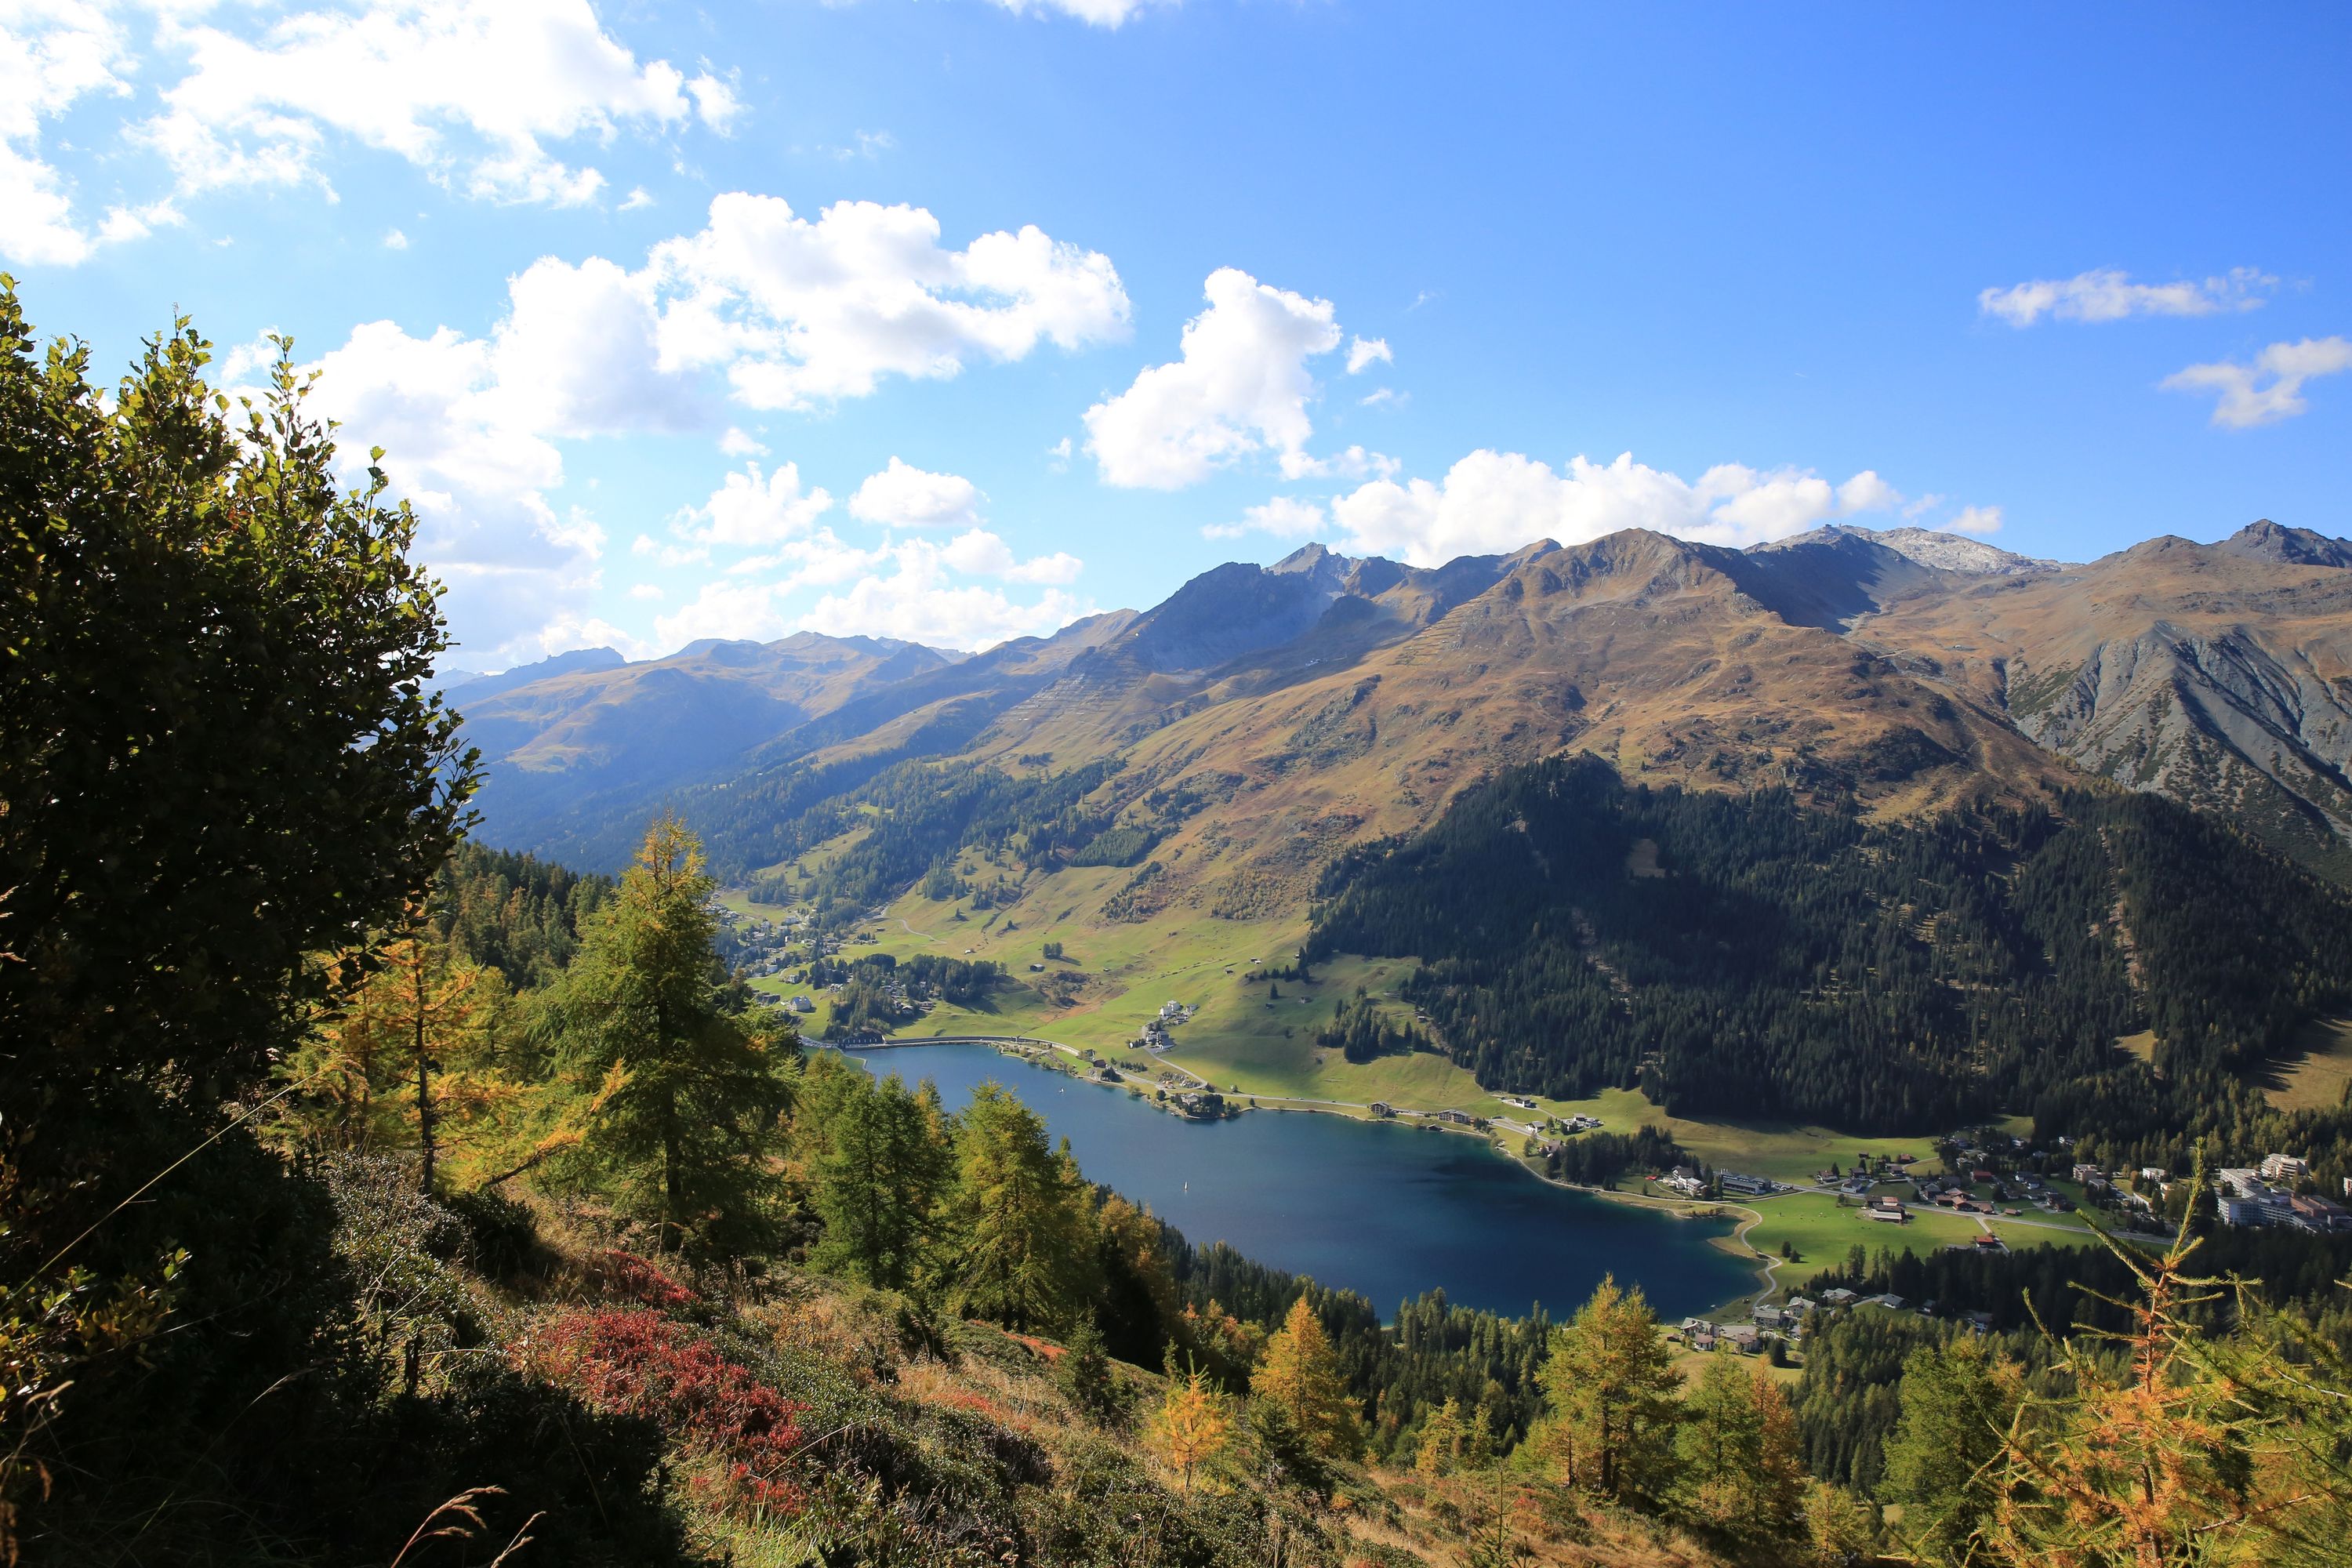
(1902, 669)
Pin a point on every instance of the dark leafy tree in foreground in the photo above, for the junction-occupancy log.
(220, 762)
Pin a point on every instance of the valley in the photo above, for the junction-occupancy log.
(1349, 762)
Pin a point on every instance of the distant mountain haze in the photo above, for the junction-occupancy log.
(600, 727)
(1306, 706)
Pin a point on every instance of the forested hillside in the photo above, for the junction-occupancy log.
(1741, 954)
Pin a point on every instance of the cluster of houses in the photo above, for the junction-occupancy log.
(1789, 1320)
(1155, 1036)
(764, 942)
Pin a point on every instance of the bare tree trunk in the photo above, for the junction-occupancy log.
(424, 1082)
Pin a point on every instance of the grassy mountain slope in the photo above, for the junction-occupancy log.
(631, 730)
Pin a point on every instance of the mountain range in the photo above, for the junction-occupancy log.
(1295, 708)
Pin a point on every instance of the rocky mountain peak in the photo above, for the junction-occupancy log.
(2262, 539)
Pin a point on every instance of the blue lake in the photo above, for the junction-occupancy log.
(1375, 1207)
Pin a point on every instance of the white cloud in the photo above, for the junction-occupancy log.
(2107, 294)
(1364, 353)
(755, 513)
(799, 312)
(2271, 388)
(906, 590)
(137, 223)
(738, 443)
(903, 496)
(579, 353)
(52, 55)
(1241, 387)
(395, 240)
(471, 91)
(594, 349)
(477, 478)
(1058, 455)
(1492, 501)
(638, 197)
(1098, 13)
(1385, 396)
(1286, 517)
(981, 553)
(1355, 463)
(1976, 520)
(645, 591)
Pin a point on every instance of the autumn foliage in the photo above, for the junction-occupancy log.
(638, 1363)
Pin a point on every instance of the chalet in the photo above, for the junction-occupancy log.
(1890, 1300)
(802, 1005)
(1990, 1243)
(1384, 1112)
(2087, 1174)
(1740, 1337)
(1797, 1307)
(1682, 1182)
(1458, 1117)
(1838, 1296)
(1770, 1317)
(1697, 1326)
(1887, 1211)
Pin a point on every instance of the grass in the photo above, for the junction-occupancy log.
(2317, 1075)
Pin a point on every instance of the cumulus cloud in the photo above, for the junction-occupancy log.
(754, 511)
(1976, 520)
(1491, 503)
(1242, 386)
(760, 303)
(1365, 353)
(2268, 390)
(478, 480)
(395, 240)
(907, 589)
(981, 553)
(51, 57)
(1284, 517)
(1098, 13)
(799, 311)
(473, 91)
(2107, 294)
(903, 496)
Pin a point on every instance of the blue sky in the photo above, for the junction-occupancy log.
(733, 320)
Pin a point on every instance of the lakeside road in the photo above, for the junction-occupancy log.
(1746, 1212)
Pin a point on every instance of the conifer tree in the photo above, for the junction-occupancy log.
(1441, 1440)
(1301, 1373)
(880, 1175)
(1084, 1371)
(1023, 1230)
(1195, 1424)
(382, 1071)
(1609, 1387)
(1959, 1399)
(1740, 1468)
(687, 1142)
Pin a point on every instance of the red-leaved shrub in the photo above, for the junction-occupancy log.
(641, 1363)
(626, 1274)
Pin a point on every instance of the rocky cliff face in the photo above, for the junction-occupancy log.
(2220, 675)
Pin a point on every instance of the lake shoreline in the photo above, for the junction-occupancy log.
(1495, 1228)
